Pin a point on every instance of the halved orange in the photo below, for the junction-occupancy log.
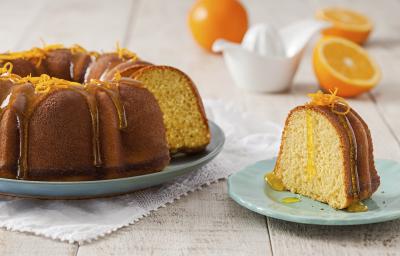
(346, 23)
(342, 64)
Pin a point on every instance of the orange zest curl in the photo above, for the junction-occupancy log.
(117, 76)
(44, 83)
(125, 53)
(76, 48)
(52, 47)
(7, 68)
(37, 55)
(324, 99)
(97, 82)
(6, 72)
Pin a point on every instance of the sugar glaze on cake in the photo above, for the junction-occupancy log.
(65, 118)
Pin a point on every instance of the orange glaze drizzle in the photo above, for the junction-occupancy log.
(37, 55)
(357, 207)
(38, 89)
(290, 200)
(274, 181)
(321, 99)
(34, 89)
(27, 92)
(341, 108)
(310, 146)
(353, 155)
(111, 88)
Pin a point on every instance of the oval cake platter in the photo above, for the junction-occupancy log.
(247, 188)
(103, 188)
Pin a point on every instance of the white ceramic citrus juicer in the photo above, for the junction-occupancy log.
(267, 59)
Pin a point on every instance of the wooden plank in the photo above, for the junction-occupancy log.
(374, 239)
(20, 244)
(206, 222)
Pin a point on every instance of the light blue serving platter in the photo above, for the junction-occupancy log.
(103, 188)
(248, 189)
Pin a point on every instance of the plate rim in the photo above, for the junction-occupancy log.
(268, 212)
(194, 163)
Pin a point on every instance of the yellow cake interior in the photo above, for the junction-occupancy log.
(311, 161)
(184, 123)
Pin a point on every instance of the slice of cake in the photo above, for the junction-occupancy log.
(326, 154)
(184, 116)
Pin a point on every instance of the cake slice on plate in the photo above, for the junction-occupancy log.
(326, 154)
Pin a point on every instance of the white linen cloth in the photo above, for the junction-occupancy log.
(247, 140)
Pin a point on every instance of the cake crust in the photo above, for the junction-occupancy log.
(107, 118)
(126, 69)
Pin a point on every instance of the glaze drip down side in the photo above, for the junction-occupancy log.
(71, 114)
(24, 95)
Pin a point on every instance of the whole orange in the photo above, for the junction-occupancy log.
(213, 19)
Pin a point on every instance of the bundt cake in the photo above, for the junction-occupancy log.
(326, 154)
(64, 118)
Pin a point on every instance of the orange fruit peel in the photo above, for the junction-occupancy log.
(342, 64)
(346, 23)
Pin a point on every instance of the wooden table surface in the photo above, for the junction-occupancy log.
(209, 222)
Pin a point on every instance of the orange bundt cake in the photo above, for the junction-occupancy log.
(326, 154)
(60, 121)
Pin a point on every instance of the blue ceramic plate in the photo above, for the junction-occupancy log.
(248, 189)
(102, 188)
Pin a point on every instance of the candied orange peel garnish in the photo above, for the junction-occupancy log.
(125, 53)
(76, 48)
(329, 99)
(37, 55)
(44, 83)
(117, 76)
(6, 73)
(7, 68)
